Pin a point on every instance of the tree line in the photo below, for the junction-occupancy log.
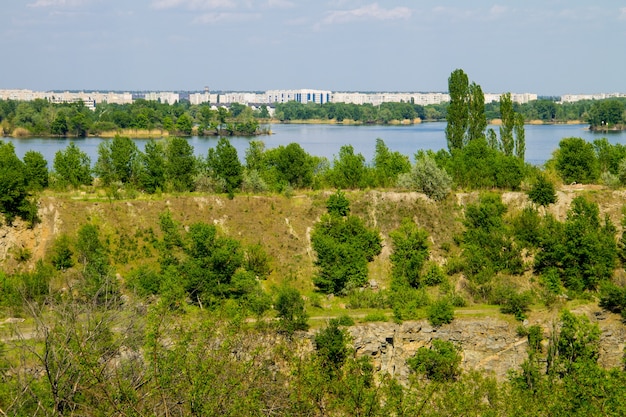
(40, 117)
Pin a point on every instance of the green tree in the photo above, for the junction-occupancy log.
(62, 255)
(576, 161)
(477, 117)
(224, 163)
(439, 363)
(487, 245)
(349, 170)
(13, 182)
(576, 342)
(507, 115)
(542, 191)
(331, 347)
(520, 137)
(458, 110)
(180, 164)
(290, 310)
(388, 165)
(338, 205)
(410, 252)
(184, 124)
(72, 166)
(59, 125)
(583, 250)
(36, 170)
(440, 312)
(344, 246)
(152, 167)
(426, 177)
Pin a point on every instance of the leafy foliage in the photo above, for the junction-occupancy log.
(72, 166)
(426, 177)
(440, 312)
(576, 161)
(13, 183)
(582, 250)
(224, 164)
(439, 363)
(290, 310)
(331, 346)
(542, 191)
(410, 252)
(344, 246)
(486, 243)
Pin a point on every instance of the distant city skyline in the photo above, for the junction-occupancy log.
(550, 47)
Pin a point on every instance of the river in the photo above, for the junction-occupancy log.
(326, 140)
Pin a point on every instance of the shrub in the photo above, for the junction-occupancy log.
(440, 312)
(330, 347)
(338, 204)
(410, 251)
(576, 161)
(542, 192)
(517, 304)
(434, 275)
(426, 177)
(290, 310)
(439, 363)
(407, 302)
(62, 253)
(366, 298)
(377, 316)
(144, 280)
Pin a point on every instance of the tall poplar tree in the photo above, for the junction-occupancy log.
(520, 136)
(477, 117)
(458, 110)
(507, 115)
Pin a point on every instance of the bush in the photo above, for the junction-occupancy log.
(372, 317)
(338, 204)
(439, 363)
(426, 177)
(366, 298)
(62, 253)
(290, 310)
(576, 161)
(407, 302)
(440, 312)
(434, 275)
(542, 191)
(144, 281)
(330, 347)
(517, 304)
(410, 251)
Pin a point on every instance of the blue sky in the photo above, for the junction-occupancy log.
(548, 47)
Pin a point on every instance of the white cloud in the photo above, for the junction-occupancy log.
(622, 13)
(280, 4)
(194, 4)
(58, 3)
(368, 12)
(497, 11)
(209, 18)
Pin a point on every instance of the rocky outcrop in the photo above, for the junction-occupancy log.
(488, 344)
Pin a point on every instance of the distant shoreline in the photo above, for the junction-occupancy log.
(161, 133)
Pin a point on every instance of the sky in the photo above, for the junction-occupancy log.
(547, 47)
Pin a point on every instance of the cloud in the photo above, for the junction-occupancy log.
(280, 4)
(622, 13)
(193, 4)
(209, 18)
(368, 12)
(58, 3)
